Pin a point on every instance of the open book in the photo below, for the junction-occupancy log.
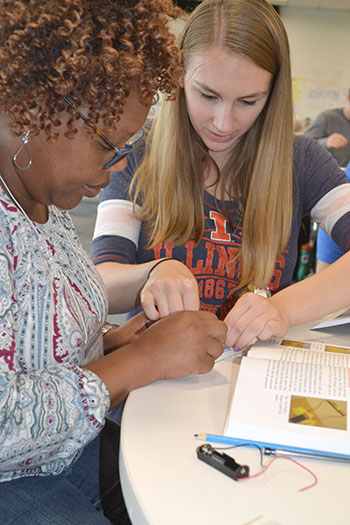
(293, 394)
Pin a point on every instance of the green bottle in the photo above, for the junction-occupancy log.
(304, 261)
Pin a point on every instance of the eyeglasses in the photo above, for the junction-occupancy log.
(119, 153)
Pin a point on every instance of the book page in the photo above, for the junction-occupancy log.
(279, 342)
(328, 356)
(291, 403)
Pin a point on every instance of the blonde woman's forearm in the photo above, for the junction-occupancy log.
(123, 283)
(317, 296)
(161, 286)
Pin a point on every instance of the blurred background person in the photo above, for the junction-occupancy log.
(331, 129)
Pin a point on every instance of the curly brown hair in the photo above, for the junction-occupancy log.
(90, 50)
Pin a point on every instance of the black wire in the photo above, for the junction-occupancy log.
(261, 450)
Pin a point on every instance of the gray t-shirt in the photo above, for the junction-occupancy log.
(327, 123)
(320, 191)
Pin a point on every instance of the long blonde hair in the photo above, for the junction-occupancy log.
(170, 181)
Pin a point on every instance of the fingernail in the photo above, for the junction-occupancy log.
(236, 349)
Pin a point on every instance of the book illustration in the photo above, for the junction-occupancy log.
(308, 346)
(337, 349)
(295, 344)
(327, 413)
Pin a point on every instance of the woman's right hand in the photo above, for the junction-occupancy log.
(181, 344)
(178, 345)
(171, 287)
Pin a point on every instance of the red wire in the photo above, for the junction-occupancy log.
(290, 459)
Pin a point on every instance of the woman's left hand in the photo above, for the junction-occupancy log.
(253, 317)
(126, 333)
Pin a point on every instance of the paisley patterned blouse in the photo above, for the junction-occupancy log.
(52, 306)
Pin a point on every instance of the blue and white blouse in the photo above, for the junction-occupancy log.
(52, 306)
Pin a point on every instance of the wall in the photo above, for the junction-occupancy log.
(320, 51)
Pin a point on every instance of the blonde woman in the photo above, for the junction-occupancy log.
(223, 184)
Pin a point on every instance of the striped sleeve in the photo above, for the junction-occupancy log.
(117, 229)
(116, 232)
(324, 193)
(332, 213)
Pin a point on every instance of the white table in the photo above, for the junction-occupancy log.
(164, 483)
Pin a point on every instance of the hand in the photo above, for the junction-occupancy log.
(178, 345)
(171, 287)
(181, 344)
(125, 334)
(336, 140)
(253, 317)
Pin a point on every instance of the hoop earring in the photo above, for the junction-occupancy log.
(25, 140)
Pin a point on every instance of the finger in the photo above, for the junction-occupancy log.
(270, 329)
(174, 296)
(341, 138)
(149, 306)
(127, 332)
(242, 305)
(249, 335)
(339, 143)
(273, 328)
(248, 308)
(337, 136)
(215, 349)
(216, 330)
(240, 340)
(162, 304)
(139, 323)
(175, 302)
(134, 325)
(262, 328)
(191, 296)
(207, 364)
(245, 329)
(158, 296)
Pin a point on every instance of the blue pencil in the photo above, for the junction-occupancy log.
(272, 449)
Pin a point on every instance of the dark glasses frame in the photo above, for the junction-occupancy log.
(119, 153)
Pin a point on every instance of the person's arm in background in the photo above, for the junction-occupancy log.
(318, 131)
(314, 297)
(327, 251)
(321, 265)
(169, 287)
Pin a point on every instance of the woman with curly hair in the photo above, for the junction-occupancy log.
(77, 78)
